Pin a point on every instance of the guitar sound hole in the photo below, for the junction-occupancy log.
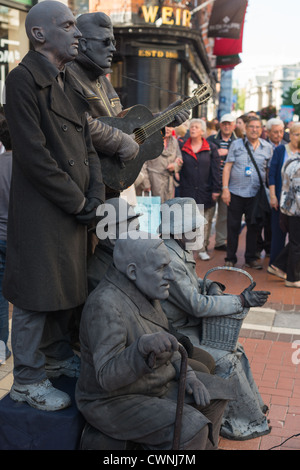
(140, 136)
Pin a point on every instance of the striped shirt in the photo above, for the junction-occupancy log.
(239, 183)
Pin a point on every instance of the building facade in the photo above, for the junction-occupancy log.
(14, 43)
(265, 90)
(163, 52)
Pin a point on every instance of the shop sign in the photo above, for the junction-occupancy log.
(25, 2)
(169, 15)
(9, 56)
(158, 53)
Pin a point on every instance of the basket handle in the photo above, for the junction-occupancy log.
(226, 268)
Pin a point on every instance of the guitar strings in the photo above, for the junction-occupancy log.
(172, 113)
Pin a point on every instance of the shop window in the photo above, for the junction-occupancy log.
(14, 43)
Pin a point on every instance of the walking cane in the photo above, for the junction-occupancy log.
(180, 398)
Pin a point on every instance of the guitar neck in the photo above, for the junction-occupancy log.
(166, 118)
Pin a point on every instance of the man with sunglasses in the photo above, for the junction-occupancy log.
(96, 50)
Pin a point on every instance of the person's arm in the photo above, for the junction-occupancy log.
(215, 163)
(187, 296)
(273, 171)
(273, 197)
(111, 141)
(225, 183)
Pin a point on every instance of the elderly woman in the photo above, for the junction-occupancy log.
(200, 175)
(159, 171)
(280, 155)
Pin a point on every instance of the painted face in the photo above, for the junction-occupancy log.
(62, 37)
(153, 277)
(100, 47)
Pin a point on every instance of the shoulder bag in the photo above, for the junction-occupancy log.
(261, 205)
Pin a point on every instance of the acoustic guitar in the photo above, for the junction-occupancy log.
(139, 121)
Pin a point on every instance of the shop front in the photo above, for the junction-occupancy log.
(14, 43)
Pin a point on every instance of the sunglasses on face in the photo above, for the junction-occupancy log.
(106, 41)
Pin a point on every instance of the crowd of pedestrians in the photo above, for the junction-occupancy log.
(208, 161)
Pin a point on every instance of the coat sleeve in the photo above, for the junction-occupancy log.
(185, 295)
(215, 169)
(116, 363)
(106, 139)
(275, 166)
(29, 144)
(96, 186)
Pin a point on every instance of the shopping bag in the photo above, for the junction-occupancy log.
(261, 207)
(149, 206)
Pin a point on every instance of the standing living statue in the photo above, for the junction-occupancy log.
(56, 187)
(93, 63)
(128, 383)
(186, 307)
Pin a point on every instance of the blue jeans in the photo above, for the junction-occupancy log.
(3, 301)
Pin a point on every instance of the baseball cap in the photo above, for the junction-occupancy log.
(227, 118)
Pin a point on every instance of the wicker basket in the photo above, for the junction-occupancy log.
(222, 332)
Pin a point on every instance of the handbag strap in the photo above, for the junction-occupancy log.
(253, 161)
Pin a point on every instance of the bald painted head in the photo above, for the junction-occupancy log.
(145, 260)
(51, 28)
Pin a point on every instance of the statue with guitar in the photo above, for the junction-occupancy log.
(124, 139)
(145, 128)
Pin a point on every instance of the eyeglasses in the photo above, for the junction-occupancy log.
(106, 41)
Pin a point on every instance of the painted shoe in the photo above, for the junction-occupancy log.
(41, 395)
(69, 367)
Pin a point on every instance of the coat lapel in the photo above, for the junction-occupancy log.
(69, 103)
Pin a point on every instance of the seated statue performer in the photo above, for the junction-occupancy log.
(128, 383)
(186, 306)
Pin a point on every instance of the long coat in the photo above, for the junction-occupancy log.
(117, 392)
(158, 177)
(54, 167)
(200, 173)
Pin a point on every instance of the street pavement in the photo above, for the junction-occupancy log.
(270, 336)
(271, 339)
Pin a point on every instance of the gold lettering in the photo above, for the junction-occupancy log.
(149, 13)
(157, 53)
(186, 18)
(182, 17)
(166, 14)
(178, 16)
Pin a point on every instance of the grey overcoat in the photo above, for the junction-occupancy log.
(117, 392)
(54, 167)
